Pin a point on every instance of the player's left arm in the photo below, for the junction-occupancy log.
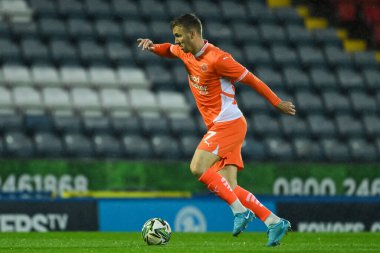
(226, 66)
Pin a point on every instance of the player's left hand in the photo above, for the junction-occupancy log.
(287, 107)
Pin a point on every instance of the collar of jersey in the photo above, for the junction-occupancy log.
(202, 49)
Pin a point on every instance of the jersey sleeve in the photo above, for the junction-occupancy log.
(166, 50)
(226, 66)
(255, 83)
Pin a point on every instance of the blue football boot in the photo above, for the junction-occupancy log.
(241, 221)
(277, 231)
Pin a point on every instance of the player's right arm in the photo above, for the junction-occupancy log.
(162, 50)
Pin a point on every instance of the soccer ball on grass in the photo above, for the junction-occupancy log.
(156, 231)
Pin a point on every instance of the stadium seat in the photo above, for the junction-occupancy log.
(362, 102)
(100, 76)
(95, 122)
(258, 12)
(160, 31)
(335, 103)
(188, 145)
(91, 52)
(180, 77)
(154, 124)
(65, 121)
(348, 126)
(119, 53)
(293, 126)
(218, 32)
(296, 79)
(307, 150)
(137, 147)
(172, 102)
(78, 145)
(37, 121)
(16, 74)
(160, 77)
(107, 146)
(298, 35)
(108, 30)
(6, 100)
(27, 98)
(271, 77)
(63, 52)
(153, 9)
(284, 56)
(334, 150)
(362, 150)
(207, 9)
(17, 144)
(84, 99)
(254, 150)
(114, 99)
(132, 77)
(43, 8)
(336, 57)
(52, 28)
(350, 79)
(74, 76)
(97, 8)
(323, 79)
(4, 30)
(365, 60)
(48, 145)
(279, 149)
(125, 8)
(56, 98)
(272, 34)
(10, 120)
(181, 125)
(372, 79)
(165, 147)
(70, 8)
(321, 126)
(143, 100)
(9, 52)
(245, 33)
(175, 7)
(23, 30)
(250, 101)
(233, 11)
(124, 122)
(308, 102)
(44, 75)
(327, 36)
(257, 55)
(371, 125)
(265, 125)
(134, 29)
(311, 56)
(288, 15)
(80, 29)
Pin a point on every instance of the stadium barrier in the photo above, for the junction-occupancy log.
(184, 214)
(261, 178)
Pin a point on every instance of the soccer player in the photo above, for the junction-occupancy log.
(212, 74)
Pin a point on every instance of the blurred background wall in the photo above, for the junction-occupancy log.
(93, 130)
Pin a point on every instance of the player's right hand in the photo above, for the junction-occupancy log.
(145, 44)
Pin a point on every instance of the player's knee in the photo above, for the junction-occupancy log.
(196, 169)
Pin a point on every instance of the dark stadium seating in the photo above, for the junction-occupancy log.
(74, 84)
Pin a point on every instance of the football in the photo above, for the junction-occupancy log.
(156, 231)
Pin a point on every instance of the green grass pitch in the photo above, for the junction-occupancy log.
(187, 242)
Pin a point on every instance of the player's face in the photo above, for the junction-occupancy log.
(183, 39)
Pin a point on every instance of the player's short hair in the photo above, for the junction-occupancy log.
(188, 21)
